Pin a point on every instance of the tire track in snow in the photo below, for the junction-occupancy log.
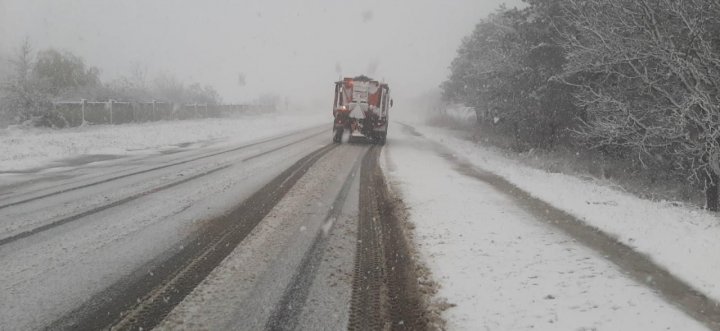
(287, 311)
(385, 290)
(142, 303)
(77, 216)
(110, 179)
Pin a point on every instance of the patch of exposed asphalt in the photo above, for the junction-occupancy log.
(386, 293)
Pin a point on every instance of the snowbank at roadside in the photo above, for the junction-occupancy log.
(683, 239)
(23, 148)
(503, 269)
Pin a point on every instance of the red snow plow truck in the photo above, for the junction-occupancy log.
(361, 109)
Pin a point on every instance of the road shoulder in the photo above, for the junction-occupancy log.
(501, 267)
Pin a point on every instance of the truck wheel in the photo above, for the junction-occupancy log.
(338, 135)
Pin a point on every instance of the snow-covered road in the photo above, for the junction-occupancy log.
(67, 237)
(275, 232)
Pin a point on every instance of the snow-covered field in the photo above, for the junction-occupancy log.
(24, 148)
(506, 271)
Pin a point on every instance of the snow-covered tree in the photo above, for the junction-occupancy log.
(60, 72)
(505, 70)
(648, 74)
(22, 98)
(36, 80)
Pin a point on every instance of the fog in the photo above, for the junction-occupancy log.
(245, 48)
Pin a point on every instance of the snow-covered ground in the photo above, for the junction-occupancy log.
(24, 148)
(682, 238)
(506, 271)
(502, 268)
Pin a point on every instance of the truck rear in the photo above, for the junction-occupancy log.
(361, 108)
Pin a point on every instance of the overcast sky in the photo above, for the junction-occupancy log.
(290, 48)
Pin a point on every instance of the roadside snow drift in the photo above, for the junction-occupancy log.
(682, 239)
(503, 269)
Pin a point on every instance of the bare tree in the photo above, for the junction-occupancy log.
(138, 75)
(169, 88)
(648, 75)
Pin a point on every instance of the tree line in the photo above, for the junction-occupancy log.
(629, 78)
(36, 79)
